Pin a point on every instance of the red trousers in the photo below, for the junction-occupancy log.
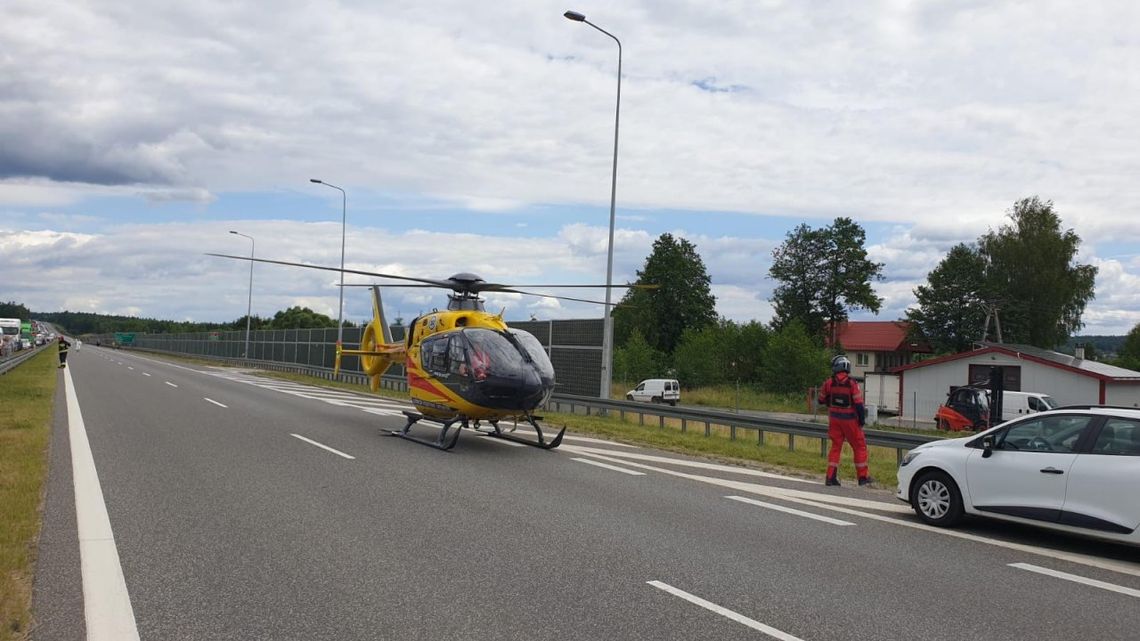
(839, 430)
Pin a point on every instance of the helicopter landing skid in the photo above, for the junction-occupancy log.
(441, 442)
(533, 420)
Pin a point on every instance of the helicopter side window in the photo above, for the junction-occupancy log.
(457, 357)
(433, 355)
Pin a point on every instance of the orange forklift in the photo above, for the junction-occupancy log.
(970, 407)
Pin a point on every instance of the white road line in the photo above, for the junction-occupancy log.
(170, 384)
(795, 496)
(210, 400)
(609, 467)
(106, 602)
(145, 374)
(323, 447)
(500, 441)
(686, 463)
(725, 612)
(789, 510)
(380, 412)
(130, 368)
(1077, 579)
(567, 437)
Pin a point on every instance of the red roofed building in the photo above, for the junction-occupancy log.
(876, 346)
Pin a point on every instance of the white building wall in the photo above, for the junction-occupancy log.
(1126, 394)
(925, 388)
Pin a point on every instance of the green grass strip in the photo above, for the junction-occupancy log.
(26, 394)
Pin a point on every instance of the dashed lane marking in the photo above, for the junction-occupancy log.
(324, 447)
(210, 400)
(789, 510)
(795, 496)
(1076, 578)
(170, 384)
(725, 612)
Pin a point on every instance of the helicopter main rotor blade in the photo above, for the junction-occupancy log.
(579, 300)
(435, 283)
(483, 287)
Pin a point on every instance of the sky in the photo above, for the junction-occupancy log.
(479, 138)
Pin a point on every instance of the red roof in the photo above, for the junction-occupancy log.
(877, 336)
(1065, 362)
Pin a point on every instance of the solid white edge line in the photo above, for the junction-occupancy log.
(724, 612)
(789, 510)
(106, 602)
(170, 384)
(210, 400)
(609, 467)
(1075, 578)
(323, 446)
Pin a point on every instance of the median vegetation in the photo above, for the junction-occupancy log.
(26, 395)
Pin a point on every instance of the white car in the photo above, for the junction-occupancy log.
(1074, 469)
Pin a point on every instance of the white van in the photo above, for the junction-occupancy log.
(656, 390)
(1017, 404)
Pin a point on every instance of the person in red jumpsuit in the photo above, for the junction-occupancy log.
(845, 418)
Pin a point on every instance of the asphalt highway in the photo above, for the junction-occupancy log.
(248, 508)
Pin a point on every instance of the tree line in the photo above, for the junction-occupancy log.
(80, 323)
(1020, 283)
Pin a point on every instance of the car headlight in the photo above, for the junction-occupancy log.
(910, 456)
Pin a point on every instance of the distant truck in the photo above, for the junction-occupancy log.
(882, 390)
(9, 335)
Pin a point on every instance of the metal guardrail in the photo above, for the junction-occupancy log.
(900, 442)
(11, 362)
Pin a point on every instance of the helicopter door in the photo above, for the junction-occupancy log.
(434, 357)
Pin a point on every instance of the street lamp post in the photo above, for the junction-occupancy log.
(249, 303)
(343, 221)
(607, 323)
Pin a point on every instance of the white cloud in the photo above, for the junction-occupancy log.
(933, 116)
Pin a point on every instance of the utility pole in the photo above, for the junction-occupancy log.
(997, 322)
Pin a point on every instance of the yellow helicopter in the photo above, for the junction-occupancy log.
(464, 365)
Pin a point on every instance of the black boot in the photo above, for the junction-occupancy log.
(832, 480)
(866, 480)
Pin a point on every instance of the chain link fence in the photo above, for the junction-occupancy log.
(574, 347)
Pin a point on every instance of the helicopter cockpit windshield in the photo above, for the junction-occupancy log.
(510, 365)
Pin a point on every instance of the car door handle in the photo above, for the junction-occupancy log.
(1052, 470)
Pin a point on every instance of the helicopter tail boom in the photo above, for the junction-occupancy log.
(377, 350)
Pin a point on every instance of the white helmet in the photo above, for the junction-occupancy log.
(840, 364)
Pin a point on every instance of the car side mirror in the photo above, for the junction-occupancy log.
(987, 445)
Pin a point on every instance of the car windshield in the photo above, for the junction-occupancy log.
(1048, 402)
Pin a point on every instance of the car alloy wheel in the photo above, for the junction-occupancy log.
(936, 499)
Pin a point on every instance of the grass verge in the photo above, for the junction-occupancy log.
(26, 395)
